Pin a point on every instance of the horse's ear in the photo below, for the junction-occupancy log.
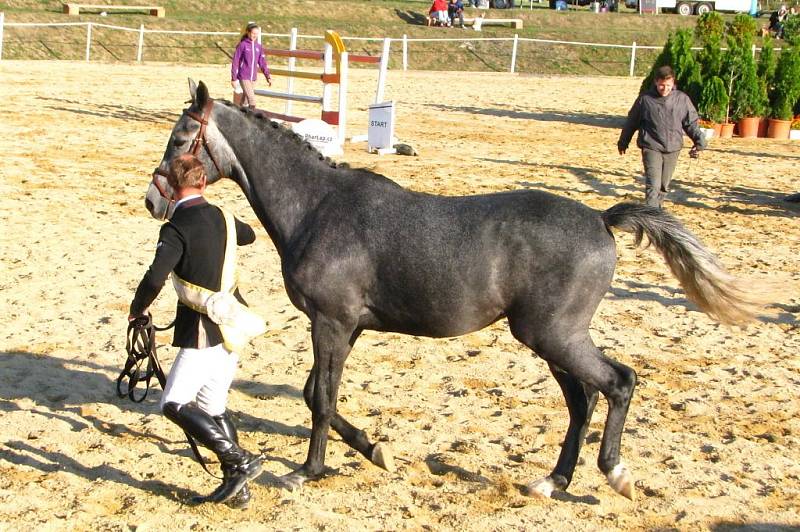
(192, 89)
(201, 95)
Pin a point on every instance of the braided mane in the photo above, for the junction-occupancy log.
(262, 121)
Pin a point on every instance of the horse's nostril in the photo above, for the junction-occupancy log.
(149, 205)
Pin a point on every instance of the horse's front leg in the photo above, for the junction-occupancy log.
(331, 344)
(379, 454)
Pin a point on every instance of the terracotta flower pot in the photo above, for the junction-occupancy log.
(748, 127)
(726, 130)
(778, 129)
(717, 129)
(762, 126)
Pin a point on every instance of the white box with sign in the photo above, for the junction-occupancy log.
(319, 134)
(380, 133)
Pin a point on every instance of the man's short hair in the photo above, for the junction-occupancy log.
(665, 72)
(186, 171)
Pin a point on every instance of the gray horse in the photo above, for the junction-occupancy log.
(359, 252)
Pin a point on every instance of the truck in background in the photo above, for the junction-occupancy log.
(697, 7)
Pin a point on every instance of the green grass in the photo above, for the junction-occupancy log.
(358, 18)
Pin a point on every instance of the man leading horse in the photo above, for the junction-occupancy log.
(197, 245)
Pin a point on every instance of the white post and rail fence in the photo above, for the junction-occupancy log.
(406, 43)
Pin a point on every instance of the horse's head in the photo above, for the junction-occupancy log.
(195, 132)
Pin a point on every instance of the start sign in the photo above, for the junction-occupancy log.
(319, 134)
(380, 134)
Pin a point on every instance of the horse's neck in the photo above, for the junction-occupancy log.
(283, 181)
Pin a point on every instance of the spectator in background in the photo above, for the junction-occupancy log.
(248, 59)
(437, 14)
(455, 10)
(776, 21)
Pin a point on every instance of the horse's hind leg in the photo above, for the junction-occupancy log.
(580, 358)
(379, 454)
(581, 401)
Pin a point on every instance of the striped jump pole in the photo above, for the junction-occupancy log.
(334, 72)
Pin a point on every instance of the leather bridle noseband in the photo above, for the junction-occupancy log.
(198, 142)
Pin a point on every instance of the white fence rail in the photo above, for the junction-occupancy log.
(406, 42)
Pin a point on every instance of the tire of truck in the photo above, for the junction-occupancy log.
(703, 8)
(683, 8)
(499, 4)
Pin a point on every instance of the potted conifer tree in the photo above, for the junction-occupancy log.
(677, 53)
(785, 93)
(730, 73)
(710, 30)
(767, 62)
(713, 104)
(748, 98)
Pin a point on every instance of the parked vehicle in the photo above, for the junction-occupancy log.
(698, 7)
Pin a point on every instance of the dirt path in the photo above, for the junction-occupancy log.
(713, 434)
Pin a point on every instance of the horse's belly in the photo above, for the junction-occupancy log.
(437, 320)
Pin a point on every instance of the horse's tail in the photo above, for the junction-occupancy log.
(704, 279)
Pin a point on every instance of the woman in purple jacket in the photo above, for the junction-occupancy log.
(247, 61)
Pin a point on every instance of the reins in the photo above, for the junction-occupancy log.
(140, 346)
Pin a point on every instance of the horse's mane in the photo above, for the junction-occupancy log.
(262, 121)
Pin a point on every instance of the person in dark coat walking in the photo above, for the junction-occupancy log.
(192, 246)
(661, 115)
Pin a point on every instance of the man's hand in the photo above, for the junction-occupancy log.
(694, 153)
(131, 317)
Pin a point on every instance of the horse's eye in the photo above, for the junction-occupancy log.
(178, 143)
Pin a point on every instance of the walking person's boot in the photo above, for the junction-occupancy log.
(241, 500)
(238, 465)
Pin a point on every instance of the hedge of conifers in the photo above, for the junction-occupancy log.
(760, 94)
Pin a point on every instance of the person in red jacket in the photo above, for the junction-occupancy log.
(248, 59)
(438, 14)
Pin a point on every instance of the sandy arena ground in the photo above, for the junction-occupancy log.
(713, 433)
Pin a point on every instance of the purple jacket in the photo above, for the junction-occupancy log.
(248, 58)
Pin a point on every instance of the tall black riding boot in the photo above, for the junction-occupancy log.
(241, 500)
(240, 465)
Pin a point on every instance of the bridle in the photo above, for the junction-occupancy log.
(198, 142)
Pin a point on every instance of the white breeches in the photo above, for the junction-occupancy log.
(203, 376)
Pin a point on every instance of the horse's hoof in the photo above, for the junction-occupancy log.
(621, 480)
(542, 488)
(292, 481)
(382, 457)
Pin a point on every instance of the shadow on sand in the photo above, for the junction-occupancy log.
(541, 115)
(59, 389)
(121, 112)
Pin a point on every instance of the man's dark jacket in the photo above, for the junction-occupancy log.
(192, 244)
(661, 122)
